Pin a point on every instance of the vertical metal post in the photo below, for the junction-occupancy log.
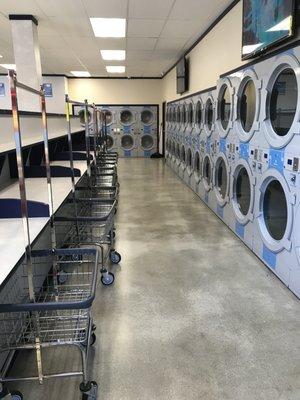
(87, 138)
(20, 165)
(96, 127)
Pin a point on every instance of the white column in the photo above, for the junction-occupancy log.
(27, 58)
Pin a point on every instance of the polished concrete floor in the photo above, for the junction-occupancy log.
(193, 313)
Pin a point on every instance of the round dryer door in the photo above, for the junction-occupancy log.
(147, 142)
(126, 117)
(127, 142)
(147, 117)
(247, 106)
(275, 211)
(197, 166)
(207, 173)
(198, 114)
(243, 192)
(81, 115)
(109, 142)
(221, 180)
(108, 117)
(209, 116)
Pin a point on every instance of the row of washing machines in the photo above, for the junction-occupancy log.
(238, 147)
(132, 131)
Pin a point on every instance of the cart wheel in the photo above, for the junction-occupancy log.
(93, 339)
(115, 257)
(107, 279)
(16, 395)
(89, 390)
(94, 327)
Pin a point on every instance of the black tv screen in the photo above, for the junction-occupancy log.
(182, 76)
(266, 23)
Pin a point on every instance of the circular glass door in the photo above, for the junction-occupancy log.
(147, 142)
(183, 154)
(224, 107)
(207, 167)
(275, 211)
(126, 117)
(127, 142)
(109, 142)
(209, 115)
(189, 158)
(108, 117)
(221, 180)
(242, 193)
(198, 114)
(197, 167)
(147, 117)
(81, 115)
(283, 102)
(190, 114)
(247, 106)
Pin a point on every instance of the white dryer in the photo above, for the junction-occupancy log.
(197, 156)
(129, 132)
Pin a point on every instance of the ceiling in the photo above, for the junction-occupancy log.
(158, 32)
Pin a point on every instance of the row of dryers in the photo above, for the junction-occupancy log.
(238, 147)
(131, 131)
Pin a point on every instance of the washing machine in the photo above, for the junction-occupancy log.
(128, 132)
(148, 121)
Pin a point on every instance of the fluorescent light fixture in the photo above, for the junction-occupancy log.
(109, 27)
(284, 25)
(115, 69)
(81, 74)
(8, 66)
(110, 55)
(1, 56)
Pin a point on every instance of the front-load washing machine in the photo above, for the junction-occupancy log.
(275, 211)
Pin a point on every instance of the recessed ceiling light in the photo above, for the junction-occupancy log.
(109, 27)
(81, 74)
(115, 69)
(8, 66)
(113, 55)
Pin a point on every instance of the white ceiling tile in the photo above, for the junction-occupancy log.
(139, 55)
(20, 7)
(59, 8)
(106, 9)
(195, 9)
(180, 29)
(156, 9)
(141, 43)
(145, 27)
(166, 44)
(72, 26)
(46, 28)
(110, 43)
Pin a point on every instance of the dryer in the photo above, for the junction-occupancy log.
(197, 155)
(129, 132)
(112, 133)
(275, 210)
(148, 131)
(190, 145)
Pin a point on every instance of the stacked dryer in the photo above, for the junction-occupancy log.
(244, 142)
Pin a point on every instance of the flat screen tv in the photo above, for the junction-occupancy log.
(182, 75)
(265, 24)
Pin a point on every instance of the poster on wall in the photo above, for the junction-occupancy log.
(266, 23)
(2, 89)
(48, 89)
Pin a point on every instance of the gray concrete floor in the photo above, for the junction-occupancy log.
(193, 313)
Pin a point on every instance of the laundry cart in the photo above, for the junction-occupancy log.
(48, 298)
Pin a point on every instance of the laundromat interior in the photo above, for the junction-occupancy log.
(149, 200)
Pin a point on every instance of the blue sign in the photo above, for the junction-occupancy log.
(2, 89)
(48, 89)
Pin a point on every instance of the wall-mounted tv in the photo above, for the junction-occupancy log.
(265, 24)
(182, 76)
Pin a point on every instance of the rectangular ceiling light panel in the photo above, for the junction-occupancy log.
(109, 27)
(81, 74)
(8, 66)
(115, 69)
(116, 55)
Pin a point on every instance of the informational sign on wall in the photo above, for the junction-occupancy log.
(2, 89)
(48, 89)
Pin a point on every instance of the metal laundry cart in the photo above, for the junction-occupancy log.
(48, 302)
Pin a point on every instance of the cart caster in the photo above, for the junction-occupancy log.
(6, 395)
(93, 339)
(94, 327)
(115, 257)
(89, 390)
(107, 279)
